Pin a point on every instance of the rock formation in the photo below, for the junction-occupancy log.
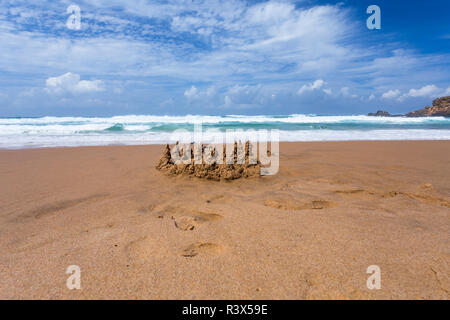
(379, 113)
(440, 108)
(212, 171)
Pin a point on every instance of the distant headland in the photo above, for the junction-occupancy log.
(440, 108)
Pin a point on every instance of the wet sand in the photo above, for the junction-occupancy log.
(309, 232)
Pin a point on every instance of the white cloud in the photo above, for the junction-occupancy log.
(345, 91)
(244, 96)
(89, 86)
(270, 12)
(70, 82)
(311, 86)
(223, 43)
(447, 91)
(425, 91)
(371, 97)
(237, 32)
(391, 94)
(193, 93)
(429, 91)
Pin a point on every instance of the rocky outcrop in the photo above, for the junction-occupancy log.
(212, 171)
(379, 113)
(440, 108)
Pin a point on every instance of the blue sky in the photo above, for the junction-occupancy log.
(221, 57)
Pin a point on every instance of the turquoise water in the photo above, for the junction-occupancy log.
(149, 129)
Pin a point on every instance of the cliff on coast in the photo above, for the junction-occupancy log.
(440, 108)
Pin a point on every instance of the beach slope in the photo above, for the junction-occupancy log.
(309, 232)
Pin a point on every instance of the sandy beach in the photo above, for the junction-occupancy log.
(309, 232)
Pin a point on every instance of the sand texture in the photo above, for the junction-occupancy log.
(309, 232)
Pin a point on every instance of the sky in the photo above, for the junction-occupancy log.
(213, 57)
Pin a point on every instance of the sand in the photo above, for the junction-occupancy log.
(309, 232)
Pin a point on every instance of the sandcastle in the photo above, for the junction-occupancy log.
(244, 165)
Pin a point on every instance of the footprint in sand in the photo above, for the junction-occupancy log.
(360, 193)
(421, 197)
(188, 218)
(367, 194)
(192, 221)
(298, 205)
(200, 248)
(185, 223)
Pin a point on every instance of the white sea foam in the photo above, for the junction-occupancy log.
(141, 119)
(30, 141)
(148, 129)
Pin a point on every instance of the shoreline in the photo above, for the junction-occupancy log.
(163, 144)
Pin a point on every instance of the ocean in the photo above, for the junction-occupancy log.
(147, 129)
